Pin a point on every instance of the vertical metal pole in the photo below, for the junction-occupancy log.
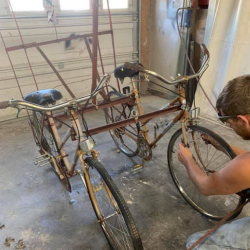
(113, 41)
(103, 71)
(100, 56)
(91, 56)
(94, 45)
(102, 92)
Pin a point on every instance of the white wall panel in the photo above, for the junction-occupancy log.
(228, 39)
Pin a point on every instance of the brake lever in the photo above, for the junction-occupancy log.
(18, 112)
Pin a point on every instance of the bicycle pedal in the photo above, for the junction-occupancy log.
(137, 167)
(45, 159)
(41, 156)
(44, 164)
(97, 188)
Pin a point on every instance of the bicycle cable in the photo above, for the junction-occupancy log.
(82, 113)
(28, 109)
(167, 89)
(79, 137)
(62, 122)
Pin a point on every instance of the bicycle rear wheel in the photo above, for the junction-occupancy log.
(111, 209)
(125, 137)
(48, 147)
(210, 160)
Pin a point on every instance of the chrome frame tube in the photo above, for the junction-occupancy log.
(76, 157)
(65, 138)
(159, 136)
(185, 78)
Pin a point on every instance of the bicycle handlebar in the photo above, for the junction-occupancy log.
(205, 50)
(17, 103)
(172, 82)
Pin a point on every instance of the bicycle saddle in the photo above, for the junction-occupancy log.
(121, 72)
(45, 96)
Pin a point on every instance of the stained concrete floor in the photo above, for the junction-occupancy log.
(35, 207)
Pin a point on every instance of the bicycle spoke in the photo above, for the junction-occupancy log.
(125, 137)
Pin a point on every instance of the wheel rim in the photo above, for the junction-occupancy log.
(124, 137)
(111, 219)
(206, 156)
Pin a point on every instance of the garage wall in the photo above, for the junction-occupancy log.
(227, 36)
(73, 63)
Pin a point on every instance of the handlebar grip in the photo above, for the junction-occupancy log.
(134, 66)
(4, 104)
(205, 50)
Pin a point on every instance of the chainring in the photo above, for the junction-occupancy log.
(144, 148)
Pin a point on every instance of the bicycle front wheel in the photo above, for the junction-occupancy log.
(210, 160)
(125, 137)
(111, 209)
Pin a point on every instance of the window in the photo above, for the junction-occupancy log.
(27, 5)
(114, 4)
(74, 4)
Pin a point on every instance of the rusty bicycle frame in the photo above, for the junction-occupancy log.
(177, 104)
(84, 148)
(75, 131)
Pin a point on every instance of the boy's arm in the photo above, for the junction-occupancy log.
(234, 177)
(237, 150)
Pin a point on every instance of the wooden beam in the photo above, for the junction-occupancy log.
(144, 37)
(95, 6)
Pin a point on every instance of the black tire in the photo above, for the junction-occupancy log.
(101, 182)
(120, 136)
(49, 145)
(213, 207)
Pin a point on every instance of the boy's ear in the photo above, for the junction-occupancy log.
(244, 119)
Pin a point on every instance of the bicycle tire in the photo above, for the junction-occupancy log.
(51, 148)
(122, 136)
(101, 181)
(213, 207)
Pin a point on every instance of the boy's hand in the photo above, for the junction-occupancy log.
(208, 140)
(184, 154)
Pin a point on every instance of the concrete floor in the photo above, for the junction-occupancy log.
(35, 207)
